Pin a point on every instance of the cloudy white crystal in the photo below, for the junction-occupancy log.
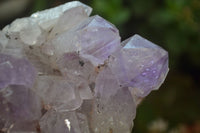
(47, 18)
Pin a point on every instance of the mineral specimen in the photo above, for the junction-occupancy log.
(62, 71)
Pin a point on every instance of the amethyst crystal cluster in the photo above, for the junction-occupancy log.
(62, 71)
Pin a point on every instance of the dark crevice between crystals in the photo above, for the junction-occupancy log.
(81, 63)
(92, 86)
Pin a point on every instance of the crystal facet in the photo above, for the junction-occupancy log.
(140, 65)
(15, 71)
(62, 71)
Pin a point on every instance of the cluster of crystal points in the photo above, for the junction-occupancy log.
(62, 71)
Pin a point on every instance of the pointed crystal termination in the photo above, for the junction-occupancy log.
(30, 29)
(62, 71)
(95, 39)
(47, 18)
(140, 65)
(98, 39)
(77, 15)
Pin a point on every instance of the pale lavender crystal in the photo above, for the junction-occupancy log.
(106, 84)
(140, 65)
(114, 108)
(80, 71)
(95, 39)
(62, 71)
(98, 39)
(15, 71)
(19, 105)
(58, 93)
(72, 65)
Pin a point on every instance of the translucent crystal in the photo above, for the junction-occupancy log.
(19, 105)
(95, 39)
(47, 18)
(58, 93)
(76, 15)
(15, 71)
(140, 65)
(62, 71)
(109, 110)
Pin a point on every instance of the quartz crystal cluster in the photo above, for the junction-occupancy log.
(62, 71)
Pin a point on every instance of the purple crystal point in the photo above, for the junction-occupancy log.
(98, 21)
(99, 39)
(95, 39)
(140, 65)
(15, 71)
